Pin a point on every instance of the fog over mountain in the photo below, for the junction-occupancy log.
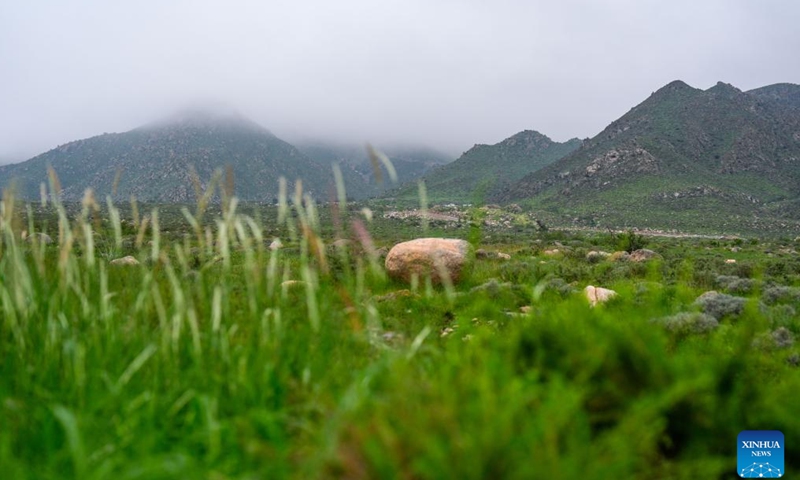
(448, 74)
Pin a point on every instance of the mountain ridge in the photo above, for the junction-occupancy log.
(485, 169)
(740, 148)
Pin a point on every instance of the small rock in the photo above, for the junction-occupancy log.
(129, 260)
(486, 254)
(597, 295)
(730, 260)
(642, 255)
(276, 244)
(711, 294)
(596, 256)
(340, 243)
(405, 293)
(552, 252)
(619, 256)
(389, 336)
(525, 309)
(37, 237)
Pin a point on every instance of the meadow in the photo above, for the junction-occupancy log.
(219, 357)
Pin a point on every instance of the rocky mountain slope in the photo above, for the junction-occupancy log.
(683, 158)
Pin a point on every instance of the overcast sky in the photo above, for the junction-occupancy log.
(444, 73)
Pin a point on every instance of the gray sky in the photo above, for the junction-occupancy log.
(447, 73)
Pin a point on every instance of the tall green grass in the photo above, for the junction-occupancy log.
(218, 358)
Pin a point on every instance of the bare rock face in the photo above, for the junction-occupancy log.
(597, 295)
(428, 257)
(129, 260)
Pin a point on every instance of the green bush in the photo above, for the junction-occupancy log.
(630, 241)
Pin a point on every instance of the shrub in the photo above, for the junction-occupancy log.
(732, 283)
(561, 287)
(720, 305)
(780, 293)
(630, 241)
(777, 339)
(688, 322)
(783, 338)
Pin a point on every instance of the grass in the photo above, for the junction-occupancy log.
(205, 361)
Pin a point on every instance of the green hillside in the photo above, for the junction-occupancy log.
(153, 162)
(489, 169)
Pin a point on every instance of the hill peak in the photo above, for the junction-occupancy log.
(722, 88)
(528, 135)
(674, 90)
(677, 86)
(206, 117)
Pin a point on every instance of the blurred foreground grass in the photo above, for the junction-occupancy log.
(207, 361)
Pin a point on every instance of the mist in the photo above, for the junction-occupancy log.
(445, 74)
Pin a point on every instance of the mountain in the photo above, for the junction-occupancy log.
(410, 162)
(154, 162)
(719, 159)
(787, 94)
(488, 169)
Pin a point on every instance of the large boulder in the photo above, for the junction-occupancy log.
(428, 257)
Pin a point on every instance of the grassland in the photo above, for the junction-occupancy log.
(218, 357)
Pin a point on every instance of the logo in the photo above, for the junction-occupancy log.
(760, 454)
